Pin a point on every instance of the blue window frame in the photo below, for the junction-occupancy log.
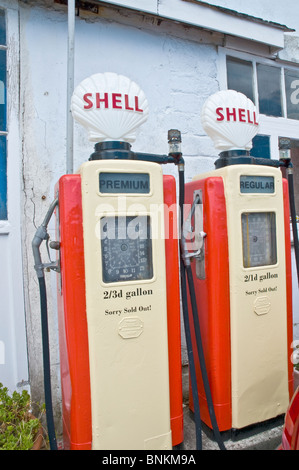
(261, 146)
(3, 119)
(3, 178)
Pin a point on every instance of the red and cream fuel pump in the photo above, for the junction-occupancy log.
(118, 281)
(238, 238)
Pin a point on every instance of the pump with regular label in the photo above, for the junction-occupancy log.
(238, 238)
(118, 285)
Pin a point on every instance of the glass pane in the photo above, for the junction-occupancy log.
(3, 179)
(292, 93)
(259, 239)
(268, 79)
(2, 90)
(261, 146)
(2, 28)
(126, 248)
(239, 76)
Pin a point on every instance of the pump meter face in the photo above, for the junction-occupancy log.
(126, 248)
(259, 239)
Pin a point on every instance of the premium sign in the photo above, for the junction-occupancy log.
(124, 183)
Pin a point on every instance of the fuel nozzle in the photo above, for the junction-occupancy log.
(174, 143)
(285, 151)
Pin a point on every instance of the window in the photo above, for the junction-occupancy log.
(3, 128)
(240, 76)
(291, 78)
(273, 88)
(268, 80)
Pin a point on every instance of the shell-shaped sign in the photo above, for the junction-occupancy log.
(230, 119)
(110, 107)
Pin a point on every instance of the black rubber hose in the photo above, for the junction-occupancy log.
(46, 361)
(293, 218)
(197, 418)
(202, 360)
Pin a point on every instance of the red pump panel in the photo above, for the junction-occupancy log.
(212, 295)
(289, 283)
(73, 339)
(173, 310)
(213, 302)
(290, 433)
(73, 335)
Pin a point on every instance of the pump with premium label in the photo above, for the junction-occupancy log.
(242, 270)
(118, 282)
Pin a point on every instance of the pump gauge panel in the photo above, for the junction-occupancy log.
(126, 248)
(259, 239)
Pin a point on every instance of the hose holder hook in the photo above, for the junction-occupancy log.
(41, 234)
(199, 235)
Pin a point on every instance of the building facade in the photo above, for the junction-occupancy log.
(179, 52)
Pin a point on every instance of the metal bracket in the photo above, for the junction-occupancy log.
(194, 235)
(41, 235)
(200, 235)
(52, 265)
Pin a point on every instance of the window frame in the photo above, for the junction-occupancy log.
(4, 47)
(273, 126)
(15, 370)
(12, 132)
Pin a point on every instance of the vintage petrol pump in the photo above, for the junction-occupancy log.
(118, 281)
(238, 237)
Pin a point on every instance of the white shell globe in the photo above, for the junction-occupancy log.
(230, 119)
(110, 107)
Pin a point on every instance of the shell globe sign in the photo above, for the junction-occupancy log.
(110, 107)
(231, 120)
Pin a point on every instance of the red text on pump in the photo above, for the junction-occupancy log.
(111, 101)
(236, 115)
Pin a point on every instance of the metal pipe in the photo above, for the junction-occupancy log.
(41, 235)
(70, 85)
